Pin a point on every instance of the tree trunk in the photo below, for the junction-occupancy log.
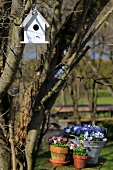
(5, 156)
(75, 96)
(94, 102)
(63, 97)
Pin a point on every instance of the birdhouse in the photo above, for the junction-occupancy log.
(34, 28)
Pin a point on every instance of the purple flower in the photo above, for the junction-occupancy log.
(59, 139)
(96, 128)
(104, 129)
(86, 132)
(67, 129)
(76, 128)
(52, 138)
(78, 131)
(69, 141)
(65, 139)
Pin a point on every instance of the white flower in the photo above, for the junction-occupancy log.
(104, 139)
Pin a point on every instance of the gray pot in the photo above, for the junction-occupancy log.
(94, 149)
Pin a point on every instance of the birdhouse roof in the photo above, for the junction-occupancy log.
(29, 17)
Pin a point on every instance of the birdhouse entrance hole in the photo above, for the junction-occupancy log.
(36, 27)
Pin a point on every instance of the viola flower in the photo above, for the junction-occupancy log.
(55, 141)
(105, 139)
(104, 129)
(52, 138)
(70, 141)
(67, 129)
(60, 141)
(72, 146)
(65, 139)
(86, 132)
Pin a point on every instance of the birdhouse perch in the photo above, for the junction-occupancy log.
(34, 28)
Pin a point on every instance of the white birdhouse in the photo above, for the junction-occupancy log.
(34, 28)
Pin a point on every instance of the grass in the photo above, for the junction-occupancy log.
(105, 100)
(44, 155)
(107, 153)
(104, 97)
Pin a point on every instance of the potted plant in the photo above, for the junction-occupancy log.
(59, 147)
(80, 155)
(93, 137)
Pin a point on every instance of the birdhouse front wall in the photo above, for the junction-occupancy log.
(34, 31)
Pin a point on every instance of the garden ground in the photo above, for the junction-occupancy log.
(44, 154)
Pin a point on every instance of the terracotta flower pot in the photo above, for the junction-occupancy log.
(79, 161)
(59, 154)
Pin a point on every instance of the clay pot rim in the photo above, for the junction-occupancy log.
(59, 149)
(86, 156)
(59, 146)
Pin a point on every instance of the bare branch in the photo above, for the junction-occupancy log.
(11, 140)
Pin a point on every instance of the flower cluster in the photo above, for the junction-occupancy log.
(79, 148)
(87, 132)
(64, 142)
(60, 141)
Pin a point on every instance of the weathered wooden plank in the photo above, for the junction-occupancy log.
(84, 108)
(85, 120)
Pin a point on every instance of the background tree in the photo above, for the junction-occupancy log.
(93, 69)
(20, 130)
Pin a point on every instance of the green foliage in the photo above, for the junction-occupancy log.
(81, 136)
(60, 144)
(80, 151)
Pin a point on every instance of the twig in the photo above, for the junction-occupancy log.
(12, 147)
(20, 164)
(4, 113)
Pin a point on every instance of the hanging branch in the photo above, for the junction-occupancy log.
(55, 25)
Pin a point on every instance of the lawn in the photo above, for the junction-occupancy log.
(107, 153)
(104, 97)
